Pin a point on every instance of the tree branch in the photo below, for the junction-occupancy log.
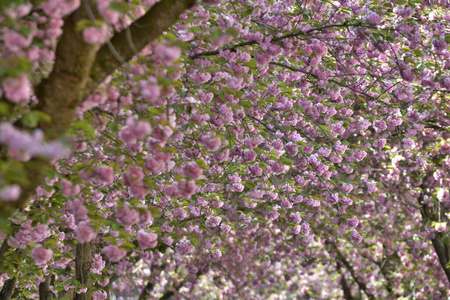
(286, 36)
(44, 289)
(141, 32)
(79, 68)
(82, 268)
(349, 267)
(345, 287)
(442, 249)
(8, 289)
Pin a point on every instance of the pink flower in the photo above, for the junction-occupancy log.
(373, 17)
(134, 174)
(168, 54)
(10, 192)
(440, 44)
(127, 217)
(216, 253)
(222, 156)
(146, 218)
(105, 174)
(347, 187)
(252, 142)
(147, 240)
(249, 155)
(185, 247)
(372, 186)
(41, 255)
(187, 188)
(84, 232)
(114, 253)
(94, 35)
(212, 143)
(107, 13)
(58, 9)
(214, 2)
(306, 228)
(192, 170)
(213, 221)
(292, 149)
(138, 190)
(149, 92)
(224, 228)
(440, 227)
(352, 222)
(255, 170)
(100, 295)
(15, 41)
(408, 143)
(356, 236)
(168, 240)
(18, 90)
(201, 78)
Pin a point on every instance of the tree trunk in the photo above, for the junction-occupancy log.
(8, 289)
(44, 289)
(83, 268)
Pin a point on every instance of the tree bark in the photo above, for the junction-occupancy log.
(349, 267)
(3, 250)
(345, 287)
(78, 70)
(59, 95)
(442, 249)
(134, 38)
(44, 289)
(443, 253)
(83, 269)
(146, 291)
(8, 289)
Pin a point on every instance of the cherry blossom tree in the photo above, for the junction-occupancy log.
(224, 149)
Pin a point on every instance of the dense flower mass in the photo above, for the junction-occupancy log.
(210, 149)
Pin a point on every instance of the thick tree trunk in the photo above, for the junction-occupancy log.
(83, 268)
(8, 289)
(78, 70)
(44, 289)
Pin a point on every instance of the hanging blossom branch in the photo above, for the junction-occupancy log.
(286, 36)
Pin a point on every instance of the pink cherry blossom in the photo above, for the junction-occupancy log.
(41, 255)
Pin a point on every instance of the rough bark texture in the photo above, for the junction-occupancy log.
(139, 34)
(83, 269)
(3, 250)
(443, 252)
(78, 70)
(44, 289)
(442, 249)
(345, 287)
(59, 95)
(8, 289)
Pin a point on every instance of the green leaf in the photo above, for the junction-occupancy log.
(156, 212)
(121, 7)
